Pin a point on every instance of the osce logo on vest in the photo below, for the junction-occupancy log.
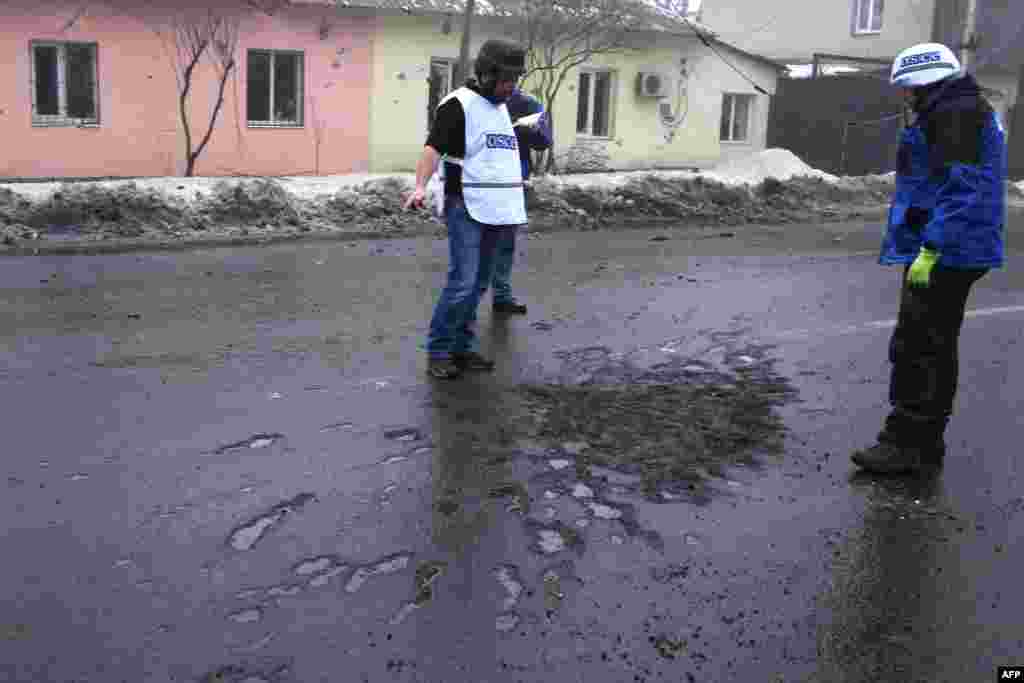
(499, 141)
(925, 58)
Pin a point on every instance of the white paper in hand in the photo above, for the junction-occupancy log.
(435, 193)
(531, 120)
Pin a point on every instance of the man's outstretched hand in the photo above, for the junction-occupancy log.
(417, 200)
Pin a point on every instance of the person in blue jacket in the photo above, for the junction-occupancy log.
(531, 136)
(946, 226)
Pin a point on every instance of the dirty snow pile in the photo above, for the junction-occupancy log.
(773, 186)
(754, 169)
(780, 164)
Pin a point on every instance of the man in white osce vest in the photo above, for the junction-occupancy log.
(483, 188)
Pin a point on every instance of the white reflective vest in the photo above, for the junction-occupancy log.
(492, 177)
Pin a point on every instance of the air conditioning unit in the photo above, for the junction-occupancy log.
(651, 84)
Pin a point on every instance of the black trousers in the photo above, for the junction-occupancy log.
(925, 357)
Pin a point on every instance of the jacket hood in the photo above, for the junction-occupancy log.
(955, 94)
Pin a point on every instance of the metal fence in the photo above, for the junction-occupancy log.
(1016, 142)
(842, 124)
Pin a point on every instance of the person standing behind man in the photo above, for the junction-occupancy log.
(473, 133)
(534, 135)
(946, 228)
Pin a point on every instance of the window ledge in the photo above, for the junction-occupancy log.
(866, 34)
(64, 123)
(736, 143)
(594, 138)
(271, 124)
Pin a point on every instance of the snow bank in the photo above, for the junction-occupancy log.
(775, 163)
(191, 189)
(780, 164)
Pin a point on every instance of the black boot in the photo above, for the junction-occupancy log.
(889, 458)
(509, 307)
(923, 434)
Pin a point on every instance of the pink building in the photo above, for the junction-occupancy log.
(93, 89)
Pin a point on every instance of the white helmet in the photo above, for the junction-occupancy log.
(924, 64)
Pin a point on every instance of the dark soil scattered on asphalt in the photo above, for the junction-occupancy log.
(674, 425)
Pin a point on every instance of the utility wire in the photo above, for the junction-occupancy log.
(732, 66)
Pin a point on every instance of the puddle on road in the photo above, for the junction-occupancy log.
(289, 590)
(320, 570)
(314, 565)
(249, 534)
(246, 616)
(338, 427)
(582, 491)
(517, 493)
(602, 511)
(256, 645)
(403, 613)
(426, 574)
(406, 434)
(550, 542)
(269, 673)
(388, 565)
(508, 576)
(254, 442)
(506, 622)
(324, 578)
(551, 538)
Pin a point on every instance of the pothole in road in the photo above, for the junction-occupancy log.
(313, 566)
(664, 423)
(406, 434)
(270, 673)
(553, 537)
(246, 616)
(508, 576)
(506, 622)
(426, 574)
(254, 442)
(388, 565)
(319, 571)
(249, 534)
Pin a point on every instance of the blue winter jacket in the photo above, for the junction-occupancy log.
(519, 105)
(950, 182)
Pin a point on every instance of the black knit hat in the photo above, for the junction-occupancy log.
(500, 60)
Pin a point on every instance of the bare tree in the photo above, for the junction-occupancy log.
(199, 38)
(561, 35)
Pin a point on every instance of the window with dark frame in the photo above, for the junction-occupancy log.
(439, 83)
(868, 16)
(735, 126)
(64, 84)
(274, 89)
(594, 104)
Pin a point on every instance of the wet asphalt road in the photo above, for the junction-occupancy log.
(229, 464)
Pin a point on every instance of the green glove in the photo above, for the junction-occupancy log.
(920, 272)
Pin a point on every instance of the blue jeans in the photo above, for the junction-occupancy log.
(504, 256)
(471, 248)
